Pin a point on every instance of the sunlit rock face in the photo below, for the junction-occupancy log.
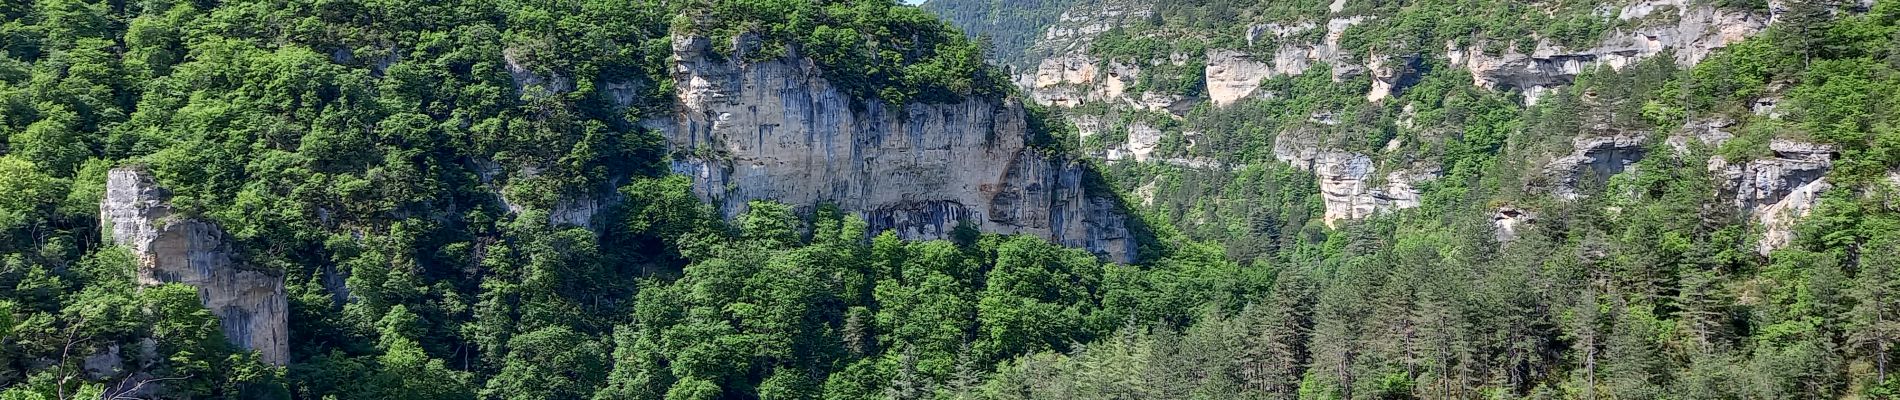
(1776, 191)
(1594, 159)
(1696, 32)
(777, 130)
(1360, 184)
(1348, 183)
(250, 304)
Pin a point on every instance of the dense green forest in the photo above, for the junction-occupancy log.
(346, 144)
(1650, 287)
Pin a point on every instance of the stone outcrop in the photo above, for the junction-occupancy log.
(1391, 74)
(778, 130)
(1776, 191)
(1077, 27)
(1707, 132)
(1141, 144)
(1347, 181)
(1356, 186)
(1697, 31)
(1507, 221)
(1773, 192)
(250, 304)
(1593, 159)
(526, 78)
(1232, 75)
(576, 210)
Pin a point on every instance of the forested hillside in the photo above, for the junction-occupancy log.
(474, 199)
(1478, 199)
(1007, 27)
(569, 199)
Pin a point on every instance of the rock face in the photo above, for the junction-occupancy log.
(1355, 185)
(778, 130)
(250, 305)
(1594, 159)
(1776, 191)
(1698, 31)
(1390, 75)
(1508, 220)
(1141, 144)
(1347, 182)
(1232, 75)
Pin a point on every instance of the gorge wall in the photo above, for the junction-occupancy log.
(1355, 182)
(777, 130)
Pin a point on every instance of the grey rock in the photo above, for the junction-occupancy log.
(104, 364)
(1594, 158)
(1709, 132)
(1776, 191)
(1347, 181)
(1696, 32)
(778, 130)
(1507, 221)
(250, 304)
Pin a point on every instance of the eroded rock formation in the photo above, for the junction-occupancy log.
(250, 304)
(1697, 31)
(1775, 191)
(1594, 159)
(1357, 184)
(1507, 221)
(1347, 181)
(1233, 75)
(778, 130)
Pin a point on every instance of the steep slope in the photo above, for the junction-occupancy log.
(472, 199)
(662, 199)
(1644, 195)
(1140, 62)
(1010, 27)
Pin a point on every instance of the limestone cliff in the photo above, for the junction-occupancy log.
(1775, 191)
(1696, 31)
(1770, 192)
(1356, 184)
(778, 130)
(1594, 159)
(250, 304)
(1347, 181)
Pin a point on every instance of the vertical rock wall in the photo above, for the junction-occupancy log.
(777, 130)
(250, 305)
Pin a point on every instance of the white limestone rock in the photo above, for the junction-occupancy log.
(250, 304)
(778, 130)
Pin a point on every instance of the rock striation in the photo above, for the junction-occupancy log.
(777, 130)
(250, 304)
(1776, 191)
(1697, 31)
(1594, 159)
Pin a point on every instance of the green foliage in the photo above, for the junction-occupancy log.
(1000, 26)
(413, 169)
(873, 49)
